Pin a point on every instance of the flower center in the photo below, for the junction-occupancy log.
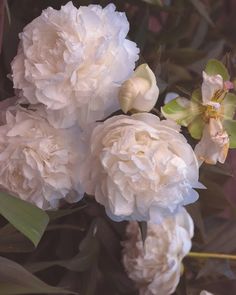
(214, 108)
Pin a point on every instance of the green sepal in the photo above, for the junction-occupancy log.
(181, 110)
(229, 106)
(195, 128)
(230, 127)
(215, 67)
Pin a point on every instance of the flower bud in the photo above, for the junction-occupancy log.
(140, 92)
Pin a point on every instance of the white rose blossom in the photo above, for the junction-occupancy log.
(73, 61)
(38, 163)
(155, 266)
(140, 168)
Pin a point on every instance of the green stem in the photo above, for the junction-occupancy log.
(204, 255)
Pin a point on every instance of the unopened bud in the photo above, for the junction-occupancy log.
(140, 92)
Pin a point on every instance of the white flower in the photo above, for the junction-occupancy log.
(73, 62)
(214, 144)
(38, 163)
(140, 168)
(155, 267)
(139, 92)
(212, 90)
(205, 293)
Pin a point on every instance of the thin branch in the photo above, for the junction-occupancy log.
(205, 255)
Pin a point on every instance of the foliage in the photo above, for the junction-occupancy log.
(80, 248)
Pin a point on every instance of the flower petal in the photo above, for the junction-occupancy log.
(210, 85)
(181, 110)
(214, 144)
(195, 128)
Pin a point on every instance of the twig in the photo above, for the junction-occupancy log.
(205, 255)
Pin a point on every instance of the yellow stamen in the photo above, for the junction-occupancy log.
(219, 95)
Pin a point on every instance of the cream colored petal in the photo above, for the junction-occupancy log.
(210, 85)
(214, 144)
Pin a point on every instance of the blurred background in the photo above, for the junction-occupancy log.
(176, 39)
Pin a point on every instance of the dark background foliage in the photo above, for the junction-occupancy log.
(80, 250)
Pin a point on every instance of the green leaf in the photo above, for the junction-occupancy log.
(213, 200)
(201, 8)
(142, 30)
(214, 50)
(184, 56)
(219, 240)
(83, 261)
(177, 73)
(213, 266)
(230, 127)
(14, 279)
(12, 241)
(27, 218)
(54, 215)
(222, 170)
(229, 106)
(195, 128)
(215, 67)
(8, 12)
(200, 34)
(194, 210)
(181, 110)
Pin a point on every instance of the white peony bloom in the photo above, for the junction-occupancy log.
(156, 266)
(73, 62)
(38, 163)
(140, 168)
(214, 144)
(140, 92)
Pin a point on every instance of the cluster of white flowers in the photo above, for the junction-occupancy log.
(69, 68)
(73, 68)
